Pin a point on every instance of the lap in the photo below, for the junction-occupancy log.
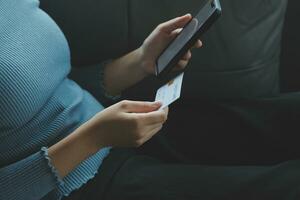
(128, 175)
(144, 177)
(253, 131)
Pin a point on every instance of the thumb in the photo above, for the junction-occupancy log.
(175, 23)
(141, 106)
(175, 33)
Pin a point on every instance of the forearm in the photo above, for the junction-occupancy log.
(71, 151)
(124, 73)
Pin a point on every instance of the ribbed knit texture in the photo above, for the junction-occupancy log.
(39, 105)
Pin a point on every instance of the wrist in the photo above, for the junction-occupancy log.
(96, 138)
(144, 65)
(89, 138)
(71, 151)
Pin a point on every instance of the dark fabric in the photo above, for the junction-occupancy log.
(143, 177)
(290, 69)
(254, 131)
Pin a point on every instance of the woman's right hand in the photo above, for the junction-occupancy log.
(126, 124)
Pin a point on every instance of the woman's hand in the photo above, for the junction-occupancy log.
(128, 70)
(127, 124)
(159, 39)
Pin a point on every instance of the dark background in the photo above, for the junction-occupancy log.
(88, 48)
(290, 67)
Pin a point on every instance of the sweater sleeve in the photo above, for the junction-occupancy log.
(31, 178)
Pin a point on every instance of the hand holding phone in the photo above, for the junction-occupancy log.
(188, 37)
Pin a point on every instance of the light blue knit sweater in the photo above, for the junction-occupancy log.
(39, 105)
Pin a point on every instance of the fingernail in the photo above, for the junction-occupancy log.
(158, 103)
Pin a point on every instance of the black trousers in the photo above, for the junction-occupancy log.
(230, 150)
(234, 132)
(146, 178)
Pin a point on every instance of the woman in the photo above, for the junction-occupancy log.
(41, 107)
(55, 136)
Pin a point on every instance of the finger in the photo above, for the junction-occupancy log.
(152, 127)
(175, 23)
(187, 56)
(166, 109)
(198, 44)
(181, 65)
(176, 32)
(140, 106)
(152, 118)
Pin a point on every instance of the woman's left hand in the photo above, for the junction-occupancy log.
(159, 39)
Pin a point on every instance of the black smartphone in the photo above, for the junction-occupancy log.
(188, 37)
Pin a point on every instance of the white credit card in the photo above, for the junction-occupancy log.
(170, 92)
